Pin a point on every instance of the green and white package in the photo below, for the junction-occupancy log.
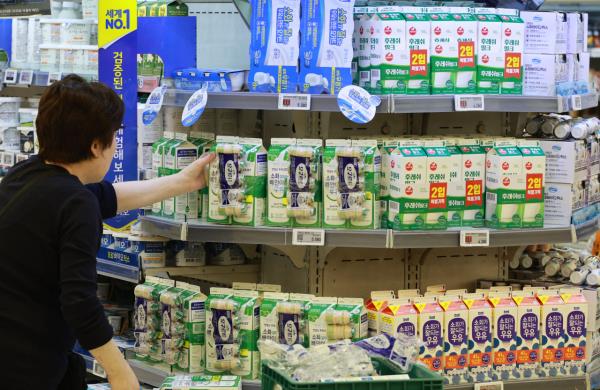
(237, 182)
(158, 163)
(473, 175)
(363, 25)
(249, 315)
(179, 154)
(534, 169)
(318, 328)
(222, 332)
(201, 382)
(351, 173)
(387, 147)
(357, 316)
(438, 173)
(513, 46)
(270, 306)
(505, 188)
(456, 185)
(490, 56)
(419, 37)
(294, 194)
(204, 141)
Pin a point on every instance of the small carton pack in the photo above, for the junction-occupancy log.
(431, 332)
(546, 75)
(263, 288)
(409, 191)
(473, 174)
(204, 141)
(505, 188)
(490, 56)
(375, 306)
(249, 314)
(545, 32)
(352, 312)
(273, 309)
(318, 326)
(552, 333)
(399, 317)
(302, 301)
(513, 43)
(419, 37)
(237, 182)
(576, 34)
(158, 162)
(534, 167)
(438, 173)
(456, 348)
(576, 314)
(528, 339)
(179, 155)
(504, 315)
(436, 288)
(360, 43)
(411, 293)
(222, 332)
(480, 337)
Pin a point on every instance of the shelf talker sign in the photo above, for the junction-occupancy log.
(117, 42)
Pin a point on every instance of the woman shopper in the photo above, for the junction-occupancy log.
(51, 211)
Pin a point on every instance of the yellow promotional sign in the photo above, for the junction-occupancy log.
(116, 19)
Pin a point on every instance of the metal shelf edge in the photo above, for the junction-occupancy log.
(553, 383)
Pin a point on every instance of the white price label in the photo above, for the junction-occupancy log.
(469, 103)
(26, 77)
(10, 76)
(293, 101)
(54, 76)
(98, 370)
(475, 237)
(489, 386)
(576, 102)
(309, 237)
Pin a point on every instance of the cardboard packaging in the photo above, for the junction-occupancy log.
(545, 32)
(505, 331)
(431, 332)
(456, 352)
(528, 338)
(480, 337)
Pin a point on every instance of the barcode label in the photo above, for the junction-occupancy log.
(491, 196)
(309, 237)
(54, 76)
(576, 102)
(365, 75)
(98, 370)
(394, 207)
(375, 73)
(10, 76)
(293, 101)
(479, 237)
(469, 103)
(26, 77)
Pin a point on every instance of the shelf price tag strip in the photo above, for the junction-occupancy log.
(308, 237)
(294, 101)
(475, 238)
(10, 76)
(469, 103)
(26, 77)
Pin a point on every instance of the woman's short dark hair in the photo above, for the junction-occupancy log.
(74, 113)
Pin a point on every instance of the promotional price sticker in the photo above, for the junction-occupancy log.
(357, 104)
(473, 193)
(534, 186)
(153, 105)
(512, 65)
(469, 103)
(466, 54)
(194, 108)
(418, 63)
(438, 195)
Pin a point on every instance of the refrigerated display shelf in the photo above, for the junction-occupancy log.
(205, 232)
(118, 271)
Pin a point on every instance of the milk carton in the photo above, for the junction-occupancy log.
(576, 32)
(473, 173)
(438, 173)
(180, 154)
(534, 168)
(366, 45)
(576, 314)
(480, 337)
(456, 351)
(273, 310)
(302, 301)
(359, 43)
(431, 332)
(419, 37)
(386, 150)
(410, 293)
(513, 42)
(545, 32)
(490, 56)
(158, 162)
(318, 327)
(409, 191)
(351, 312)
(399, 317)
(528, 338)
(326, 46)
(505, 188)
(553, 333)
(274, 46)
(249, 317)
(456, 185)
(546, 75)
(466, 75)
(390, 55)
(582, 73)
(504, 320)
(375, 306)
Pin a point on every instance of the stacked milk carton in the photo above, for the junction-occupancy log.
(556, 60)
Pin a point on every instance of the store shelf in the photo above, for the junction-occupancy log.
(204, 270)
(554, 383)
(118, 271)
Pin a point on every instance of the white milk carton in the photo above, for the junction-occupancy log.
(456, 184)
(438, 173)
(553, 333)
(180, 154)
(513, 43)
(473, 174)
(505, 332)
(399, 317)
(409, 191)
(375, 306)
(505, 188)
(490, 56)
(577, 32)
(466, 34)
(318, 327)
(362, 23)
(456, 330)
(582, 73)
(480, 337)
(274, 46)
(545, 32)
(528, 338)
(546, 75)
(419, 37)
(387, 147)
(431, 332)
(576, 314)
(534, 168)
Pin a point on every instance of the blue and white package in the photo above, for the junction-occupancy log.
(274, 46)
(326, 49)
(194, 108)
(153, 105)
(357, 104)
(216, 80)
(401, 350)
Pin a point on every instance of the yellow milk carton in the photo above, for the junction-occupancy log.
(576, 314)
(480, 337)
(456, 351)
(375, 305)
(431, 332)
(552, 333)
(528, 338)
(399, 317)
(504, 315)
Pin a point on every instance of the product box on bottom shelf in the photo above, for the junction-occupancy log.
(200, 382)
(375, 306)
(505, 188)
(576, 310)
(351, 312)
(274, 309)
(552, 334)
(237, 182)
(318, 324)
(504, 316)
(456, 352)
(480, 337)
(528, 338)
(431, 332)
(399, 317)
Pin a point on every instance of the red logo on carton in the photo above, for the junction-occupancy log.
(387, 30)
(484, 31)
(408, 166)
(528, 165)
(468, 163)
(433, 166)
(485, 59)
(361, 30)
(507, 32)
(505, 165)
(460, 31)
(412, 31)
(438, 49)
(389, 57)
(372, 30)
(437, 31)
(408, 190)
(506, 181)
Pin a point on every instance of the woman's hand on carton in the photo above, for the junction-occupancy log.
(195, 175)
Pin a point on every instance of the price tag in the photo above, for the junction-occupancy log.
(308, 237)
(54, 76)
(98, 370)
(475, 237)
(489, 386)
(469, 103)
(26, 77)
(293, 101)
(10, 76)
(576, 103)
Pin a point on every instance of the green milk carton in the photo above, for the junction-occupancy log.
(223, 341)
(387, 147)
(513, 46)
(356, 315)
(319, 331)
(249, 313)
(158, 163)
(490, 56)
(271, 305)
(438, 174)
(419, 37)
(203, 141)
(390, 56)
(180, 154)
(534, 169)
(473, 175)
